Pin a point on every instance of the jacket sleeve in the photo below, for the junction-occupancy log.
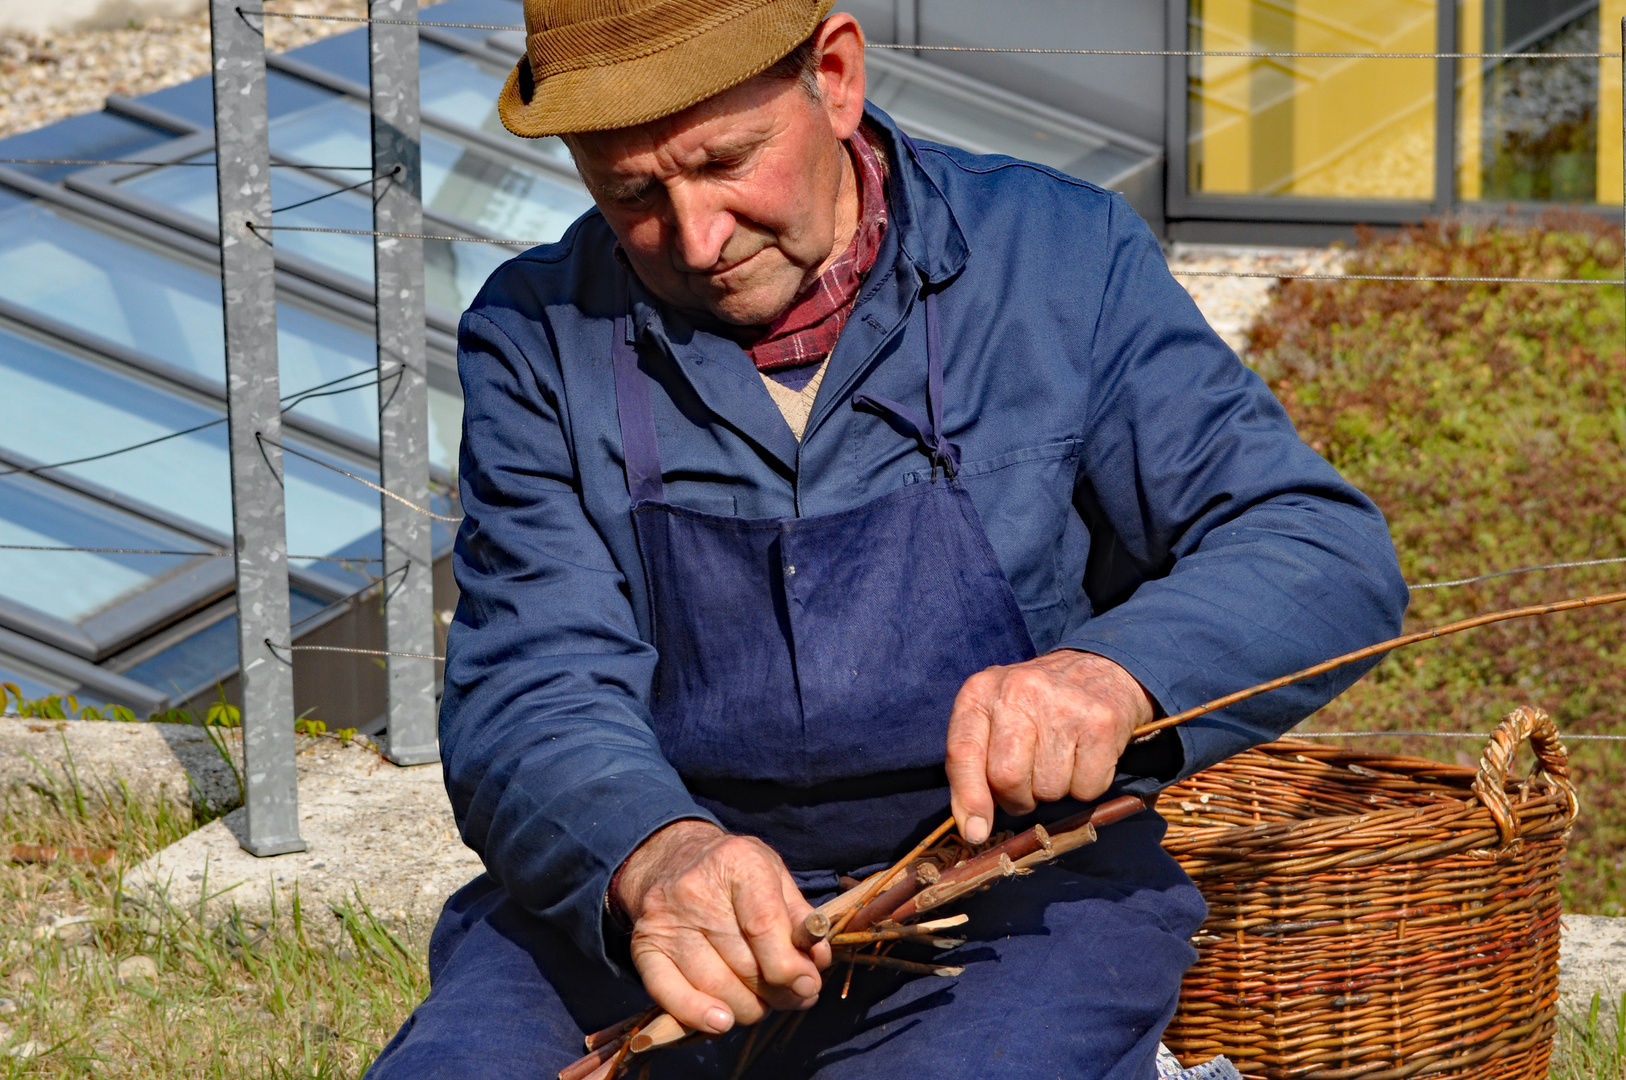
(554, 772)
(1224, 551)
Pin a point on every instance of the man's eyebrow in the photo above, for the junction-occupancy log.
(736, 147)
(624, 190)
(635, 188)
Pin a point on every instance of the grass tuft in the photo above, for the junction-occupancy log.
(310, 993)
(1592, 1047)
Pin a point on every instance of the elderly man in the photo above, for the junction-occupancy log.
(817, 482)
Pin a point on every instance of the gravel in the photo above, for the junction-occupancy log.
(46, 78)
(1232, 305)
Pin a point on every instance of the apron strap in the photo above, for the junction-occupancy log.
(928, 430)
(638, 442)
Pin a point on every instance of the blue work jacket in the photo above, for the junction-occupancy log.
(1145, 494)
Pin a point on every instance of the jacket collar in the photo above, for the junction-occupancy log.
(928, 235)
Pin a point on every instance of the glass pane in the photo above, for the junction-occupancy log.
(192, 192)
(66, 408)
(1331, 128)
(169, 310)
(445, 429)
(453, 272)
(1534, 130)
(458, 89)
(70, 408)
(927, 112)
(501, 197)
(121, 292)
(209, 656)
(74, 585)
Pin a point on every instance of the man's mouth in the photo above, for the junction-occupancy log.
(718, 274)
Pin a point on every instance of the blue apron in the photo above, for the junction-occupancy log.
(807, 669)
(808, 665)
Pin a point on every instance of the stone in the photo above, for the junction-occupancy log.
(177, 762)
(377, 833)
(8, 1006)
(1232, 305)
(25, 1050)
(137, 969)
(1592, 960)
(74, 930)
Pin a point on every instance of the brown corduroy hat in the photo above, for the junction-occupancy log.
(593, 65)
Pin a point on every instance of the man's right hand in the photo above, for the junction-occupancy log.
(712, 918)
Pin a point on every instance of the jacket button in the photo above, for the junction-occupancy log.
(790, 571)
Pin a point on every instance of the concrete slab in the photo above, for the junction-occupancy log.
(1592, 960)
(176, 761)
(373, 829)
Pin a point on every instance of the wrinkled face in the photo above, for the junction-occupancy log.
(732, 206)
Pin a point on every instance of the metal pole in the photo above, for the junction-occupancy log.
(254, 425)
(403, 388)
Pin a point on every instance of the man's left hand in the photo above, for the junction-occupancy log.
(1039, 731)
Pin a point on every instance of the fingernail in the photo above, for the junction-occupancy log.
(805, 986)
(976, 830)
(719, 1020)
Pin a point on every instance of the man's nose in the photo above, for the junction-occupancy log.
(701, 227)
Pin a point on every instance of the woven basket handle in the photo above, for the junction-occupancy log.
(1552, 762)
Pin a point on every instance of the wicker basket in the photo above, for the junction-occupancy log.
(1375, 917)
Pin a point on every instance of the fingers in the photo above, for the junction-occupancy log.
(1092, 772)
(783, 975)
(674, 991)
(970, 726)
(800, 909)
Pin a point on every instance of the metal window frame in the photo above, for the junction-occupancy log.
(107, 685)
(1287, 215)
(190, 249)
(474, 137)
(117, 360)
(193, 584)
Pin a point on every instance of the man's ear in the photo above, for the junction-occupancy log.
(839, 45)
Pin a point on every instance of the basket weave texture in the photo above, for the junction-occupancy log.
(1375, 917)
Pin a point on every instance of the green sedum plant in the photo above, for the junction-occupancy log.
(1488, 422)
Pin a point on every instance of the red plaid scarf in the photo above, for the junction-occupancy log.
(807, 332)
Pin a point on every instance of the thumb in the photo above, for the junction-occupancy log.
(966, 763)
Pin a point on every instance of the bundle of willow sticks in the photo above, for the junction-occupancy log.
(864, 923)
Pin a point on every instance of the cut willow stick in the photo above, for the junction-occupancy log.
(894, 933)
(810, 931)
(1378, 650)
(892, 963)
(1019, 853)
(854, 900)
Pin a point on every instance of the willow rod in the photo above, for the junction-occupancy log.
(1377, 650)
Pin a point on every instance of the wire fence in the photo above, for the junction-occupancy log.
(290, 402)
(1433, 279)
(1571, 736)
(1248, 54)
(324, 389)
(175, 164)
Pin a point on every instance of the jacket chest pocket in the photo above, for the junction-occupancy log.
(1024, 499)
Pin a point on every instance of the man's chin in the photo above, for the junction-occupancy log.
(751, 306)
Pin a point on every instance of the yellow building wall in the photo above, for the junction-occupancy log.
(1610, 12)
(1470, 99)
(1335, 127)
